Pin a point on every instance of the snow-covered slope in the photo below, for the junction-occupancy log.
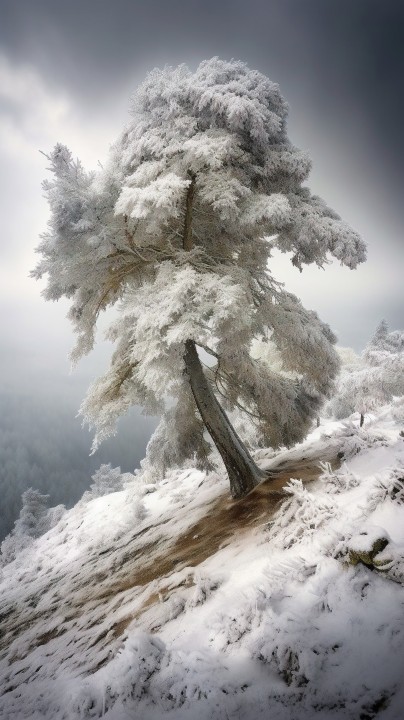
(175, 601)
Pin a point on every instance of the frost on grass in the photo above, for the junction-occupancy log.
(269, 622)
(307, 510)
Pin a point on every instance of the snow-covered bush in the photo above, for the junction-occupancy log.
(32, 520)
(357, 439)
(128, 676)
(340, 480)
(12, 545)
(106, 480)
(134, 498)
(35, 519)
(308, 511)
(53, 516)
(204, 587)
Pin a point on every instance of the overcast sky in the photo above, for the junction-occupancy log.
(67, 70)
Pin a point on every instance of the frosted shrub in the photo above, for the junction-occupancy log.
(53, 516)
(106, 480)
(204, 588)
(307, 511)
(338, 481)
(127, 676)
(12, 545)
(357, 440)
(390, 486)
(35, 519)
(138, 509)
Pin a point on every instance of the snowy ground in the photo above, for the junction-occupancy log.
(180, 603)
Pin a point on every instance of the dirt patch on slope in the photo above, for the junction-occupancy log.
(137, 577)
(224, 520)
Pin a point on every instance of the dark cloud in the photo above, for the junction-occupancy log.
(344, 58)
(357, 59)
(316, 38)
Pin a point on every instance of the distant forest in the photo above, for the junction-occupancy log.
(43, 446)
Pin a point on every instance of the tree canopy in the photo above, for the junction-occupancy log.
(178, 228)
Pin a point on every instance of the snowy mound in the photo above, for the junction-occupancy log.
(175, 601)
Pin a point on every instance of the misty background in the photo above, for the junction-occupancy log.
(67, 72)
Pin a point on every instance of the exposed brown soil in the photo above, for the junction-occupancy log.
(224, 519)
(129, 570)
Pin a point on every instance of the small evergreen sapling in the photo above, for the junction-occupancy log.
(32, 520)
(35, 519)
(178, 229)
(106, 480)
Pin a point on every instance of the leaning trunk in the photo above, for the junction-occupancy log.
(362, 420)
(243, 472)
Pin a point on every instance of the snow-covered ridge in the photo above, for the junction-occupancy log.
(181, 603)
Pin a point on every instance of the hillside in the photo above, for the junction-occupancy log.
(175, 601)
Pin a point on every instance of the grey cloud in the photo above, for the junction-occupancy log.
(346, 58)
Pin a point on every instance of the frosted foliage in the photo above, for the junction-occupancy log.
(32, 514)
(387, 349)
(53, 516)
(308, 510)
(128, 676)
(178, 437)
(35, 519)
(398, 409)
(374, 378)
(106, 480)
(338, 481)
(218, 136)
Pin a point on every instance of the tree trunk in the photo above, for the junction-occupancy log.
(243, 472)
(362, 420)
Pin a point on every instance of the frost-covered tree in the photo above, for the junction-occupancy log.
(341, 404)
(372, 379)
(387, 349)
(106, 480)
(178, 227)
(34, 520)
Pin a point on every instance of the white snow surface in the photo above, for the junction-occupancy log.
(140, 604)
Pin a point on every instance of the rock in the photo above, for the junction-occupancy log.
(364, 548)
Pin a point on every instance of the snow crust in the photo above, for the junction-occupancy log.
(121, 614)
